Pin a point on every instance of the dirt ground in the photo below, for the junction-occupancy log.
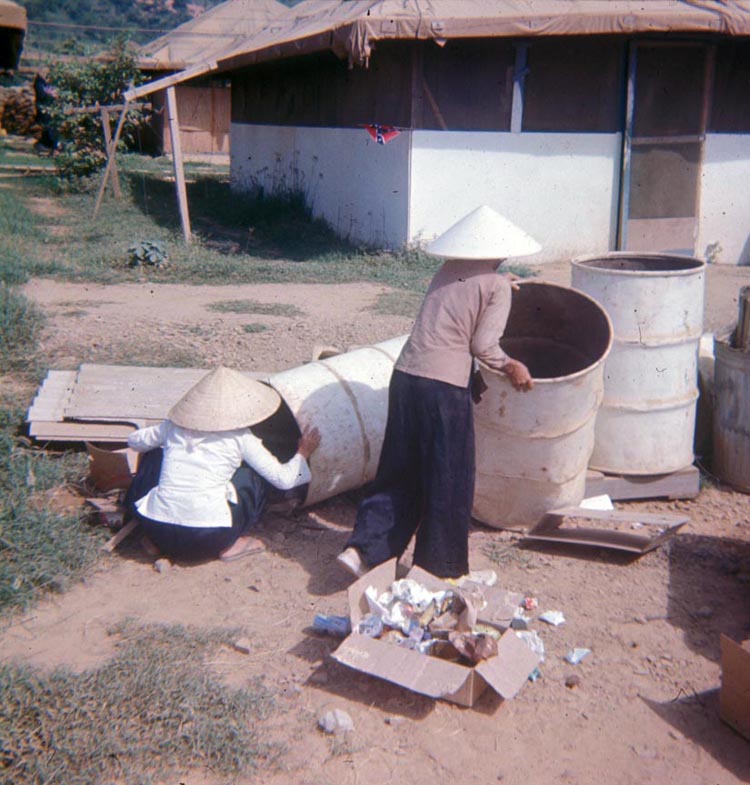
(646, 708)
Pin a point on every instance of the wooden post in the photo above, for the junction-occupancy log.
(179, 172)
(110, 159)
(742, 333)
(104, 111)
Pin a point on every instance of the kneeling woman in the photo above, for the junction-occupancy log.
(203, 480)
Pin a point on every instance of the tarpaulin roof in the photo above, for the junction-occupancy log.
(351, 28)
(12, 15)
(223, 27)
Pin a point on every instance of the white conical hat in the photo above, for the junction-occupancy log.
(483, 234)
(224, 400)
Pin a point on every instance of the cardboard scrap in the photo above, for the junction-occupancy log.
(734, 698)
(110, 469)
(505, 674)
(563, 525)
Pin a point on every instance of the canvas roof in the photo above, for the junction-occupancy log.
(352, 28)
(12, 15)
(221, 28)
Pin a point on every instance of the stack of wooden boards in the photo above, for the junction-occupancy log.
(105, 403)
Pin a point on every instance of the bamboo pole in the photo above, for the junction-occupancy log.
(110, 159)
(104, 111)
(179, 172)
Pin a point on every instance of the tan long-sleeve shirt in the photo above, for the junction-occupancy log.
(463, 315)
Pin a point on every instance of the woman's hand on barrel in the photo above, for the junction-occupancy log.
(519, 375)
(308, 442)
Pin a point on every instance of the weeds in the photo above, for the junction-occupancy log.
(254, 327)
(397, 303)
(20, 323)
(152, 710)
(253, 306)
(40, 550)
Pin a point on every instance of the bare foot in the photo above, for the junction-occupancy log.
(243, 547)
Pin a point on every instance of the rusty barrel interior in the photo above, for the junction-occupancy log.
(555, 331)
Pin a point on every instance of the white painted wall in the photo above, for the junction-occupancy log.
(561, 188)
(725, 198)
(358, 186)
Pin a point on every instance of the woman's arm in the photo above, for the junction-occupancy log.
(284, 476)
(145, 439)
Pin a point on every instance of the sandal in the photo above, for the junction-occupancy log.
(250, 546)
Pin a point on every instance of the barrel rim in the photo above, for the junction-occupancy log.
(695, 267)
(584, 371)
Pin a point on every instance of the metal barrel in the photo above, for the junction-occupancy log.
(731, 422)
(346, 398)
(533, 448)
(646, 424)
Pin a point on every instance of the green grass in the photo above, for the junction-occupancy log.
(20, 323)
(254, 327)
(253, 306)
(40, 550)
(398, 303)
(150, 713)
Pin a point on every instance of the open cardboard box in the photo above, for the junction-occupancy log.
(505, 674)
(734, 698)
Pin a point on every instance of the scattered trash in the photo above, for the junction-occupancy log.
(530, 603)
(602, 502)
(337, 626)
(555, 618)
(162, 565)
(535, 675)
(482, 577)
(575, 656)
(243, 645)
(438, 639)
(573, 681)
(533, 641)
(336, 721)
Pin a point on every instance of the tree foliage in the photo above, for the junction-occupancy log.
(80, 84)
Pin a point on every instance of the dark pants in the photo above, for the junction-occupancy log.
(425, 479)
(192, 542)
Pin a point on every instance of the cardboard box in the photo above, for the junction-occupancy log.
(505, 674)
(734, 698)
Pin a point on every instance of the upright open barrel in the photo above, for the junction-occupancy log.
(646, 424)
(731, 421)
(533, 448)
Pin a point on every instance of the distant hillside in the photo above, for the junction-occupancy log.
(74, 25)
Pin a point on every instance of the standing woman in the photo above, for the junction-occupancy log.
(202, 482)
(425, 478)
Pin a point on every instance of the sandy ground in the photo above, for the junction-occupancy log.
(646, 708)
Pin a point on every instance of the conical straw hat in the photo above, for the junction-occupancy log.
(224, 400)
(483, 234)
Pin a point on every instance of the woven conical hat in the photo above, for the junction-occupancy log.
(483, 234)
(224, 400)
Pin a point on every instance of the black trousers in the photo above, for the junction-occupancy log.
(192, 542)
(425, 479)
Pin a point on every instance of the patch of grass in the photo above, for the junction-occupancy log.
(505, 554)
(144, 353)
(75, 312)
(152, 711)
(253, 306)
(254, 327)
(20, 323)
(39, 549)
(398, 303)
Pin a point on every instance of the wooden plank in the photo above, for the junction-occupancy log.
(179, 171)
(682, 484)
(131, 393)
(81, 431)
(52, 397)
(112, 543)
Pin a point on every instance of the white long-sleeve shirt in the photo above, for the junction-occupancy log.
(194, 486)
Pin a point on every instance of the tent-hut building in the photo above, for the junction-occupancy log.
(203, 104)
(596, 125)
